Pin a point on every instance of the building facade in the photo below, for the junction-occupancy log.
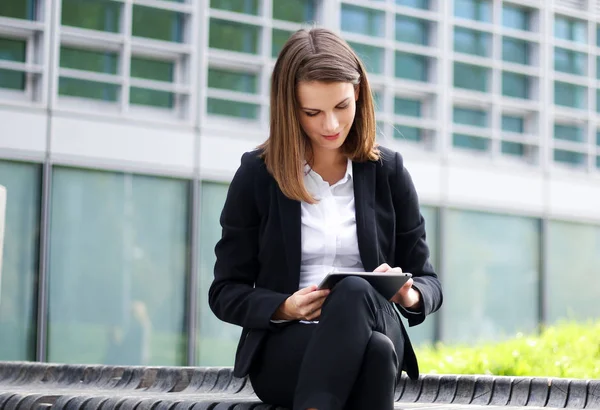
(122, 121)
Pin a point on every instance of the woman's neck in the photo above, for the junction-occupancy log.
(330, 165)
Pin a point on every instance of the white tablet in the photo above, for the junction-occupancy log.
(387, 284)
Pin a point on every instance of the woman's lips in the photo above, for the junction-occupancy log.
(331, 137)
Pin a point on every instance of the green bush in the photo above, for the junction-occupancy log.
(565, 350)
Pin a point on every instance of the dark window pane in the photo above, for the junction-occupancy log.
(513, 148)
(418, 4)
(598, 161)
(18, 307)
(411, 66)
(570, 29)
(405, 133)
(18, 9)
(598, 138)
(598, 100)
(152, 98)
(363, 21)
(515, 51)
(513, 124)
(467, 116)
(232, 108)
(569, 61)
(151, 69)
(515, 17)
(569, 157)
(412, 30)
(118, 241)
(472, 42)
(103, 15)
(475, 248)
(480, 10)
(239, 6)
(569, 95)
(88, 89)
(217, 340)
(372, 57)
(278, 41)
(13, 50)
(13, 80)
(515, 85)
(232, 80)
(568, 133)
(97, 61)
(228, 35)
(157, 24)
(298, 11)
(470, 77)
(404, 106)
(470, 142)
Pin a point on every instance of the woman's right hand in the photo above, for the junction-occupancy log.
(305, 304)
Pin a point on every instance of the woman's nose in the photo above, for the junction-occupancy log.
(331, 124)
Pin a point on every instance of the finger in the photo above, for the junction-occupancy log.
(307, 290)
(315, 295)
(383, 268)
(315, 315)
(396, 270)
(407, 285)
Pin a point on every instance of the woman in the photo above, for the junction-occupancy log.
(319, 195)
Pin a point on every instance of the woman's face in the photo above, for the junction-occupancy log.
(326, 112)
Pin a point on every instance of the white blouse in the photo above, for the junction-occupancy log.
(329, 239)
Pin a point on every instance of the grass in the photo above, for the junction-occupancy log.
(569, 350)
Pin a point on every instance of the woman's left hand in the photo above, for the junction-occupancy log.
(407, 296)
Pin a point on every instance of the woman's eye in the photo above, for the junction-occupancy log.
(311, 114)
(343, 107)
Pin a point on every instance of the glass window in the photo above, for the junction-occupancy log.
(18, 9)
(515, 51)
(278, 41)
(372, 57)
(363, 21)
(411, 66)
(233, 80)
(515, 85)
(298, 11)
(570, 157)
(118, 241)
(598, 138)
(229, 35)
(480, 10)
(232, 108)
(102, 15)
(418, 4)
(479, 276)
(12, 50)
(217, 340)
(515, 17)
(94, 90)
(406, 133)
(569, 133)
(597, 100)
(20, 265)
(569, 61)
(412, 30)
(598, 161)
(405, 106)
(513, 148)
(151, 69)
(238, 6)
(471, 77)
(377, 100)
(88, 60)
(472, 42)
(569, 95)
(512, 123)
(157, 24)
(570, 29)
(573, 248)
(468, 116)
(470, 142)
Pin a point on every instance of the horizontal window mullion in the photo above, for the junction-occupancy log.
(416, 49)
(571, 45)
(19, 24)
(176, 88)
(83, 37)
(418, 122)
(533, 37)
(237, 17)
(366, 39)
(403, 85)
(236, 57)
(571, 78)
(186, 8)
(483, 132)
(170, 48)
(21, 67)
(285, 25)
(472, 24)
(580, 147)
(90, 76)
(236, 96)
(532, 71)
(528, 139)
(408, 11)
(474, 60)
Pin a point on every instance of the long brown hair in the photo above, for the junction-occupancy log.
(317, 54)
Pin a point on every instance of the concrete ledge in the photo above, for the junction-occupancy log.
(25, 385)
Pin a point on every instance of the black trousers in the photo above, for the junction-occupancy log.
(349, 360)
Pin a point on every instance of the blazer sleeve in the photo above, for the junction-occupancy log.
(232, 295)
(412, 252)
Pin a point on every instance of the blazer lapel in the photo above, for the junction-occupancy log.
(290, 220)
(364, 201)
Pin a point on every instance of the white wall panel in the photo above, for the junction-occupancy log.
(23, 130)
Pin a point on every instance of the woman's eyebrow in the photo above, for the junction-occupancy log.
(315, 109)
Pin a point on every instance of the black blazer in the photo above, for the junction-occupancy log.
(258, 256)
